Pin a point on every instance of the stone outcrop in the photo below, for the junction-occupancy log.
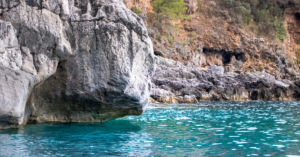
(250, 66)
(72, 61)
(212, 36)
(175, 82)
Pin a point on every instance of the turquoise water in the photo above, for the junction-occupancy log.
(205, 129)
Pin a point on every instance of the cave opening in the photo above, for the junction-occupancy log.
(226, 57)
(205, 50)
(297, 16)
(157, 53)
(241, 56)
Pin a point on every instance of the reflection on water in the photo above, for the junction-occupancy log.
(205, 129)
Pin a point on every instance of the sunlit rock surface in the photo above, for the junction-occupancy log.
(72, 61)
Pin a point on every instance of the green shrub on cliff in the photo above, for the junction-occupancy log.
(261, 68)
(166, 10)
(280, 32)
(136, 10)
(171, 40)
(267, 15)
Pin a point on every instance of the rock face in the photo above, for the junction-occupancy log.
(72, 61)
(174, 82)
(213, 36)
(239, 63)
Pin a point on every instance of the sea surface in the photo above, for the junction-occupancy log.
(233, 129)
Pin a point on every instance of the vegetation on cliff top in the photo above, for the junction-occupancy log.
(262, 16)
(166, 10)
(136, 10)
(266, 15)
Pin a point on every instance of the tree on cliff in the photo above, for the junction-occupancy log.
(166, 10)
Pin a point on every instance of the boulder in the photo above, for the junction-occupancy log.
(72, 62)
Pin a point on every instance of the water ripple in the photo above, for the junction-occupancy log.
(204, 129)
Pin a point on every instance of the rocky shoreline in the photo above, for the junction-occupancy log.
(93, 61)
(175, 82)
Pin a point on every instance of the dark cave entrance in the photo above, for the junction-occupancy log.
(157, 53)
(205, 50)
(226, 55)
(297, 16)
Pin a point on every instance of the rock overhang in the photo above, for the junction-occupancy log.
(87, 61)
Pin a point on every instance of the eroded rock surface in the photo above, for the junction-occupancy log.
(215, 35)
(175, 82)
(72, 61)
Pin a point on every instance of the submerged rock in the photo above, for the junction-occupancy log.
(72, 62)
(174, 82)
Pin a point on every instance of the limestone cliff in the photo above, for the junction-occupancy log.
(72, 61)
(213, 36)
